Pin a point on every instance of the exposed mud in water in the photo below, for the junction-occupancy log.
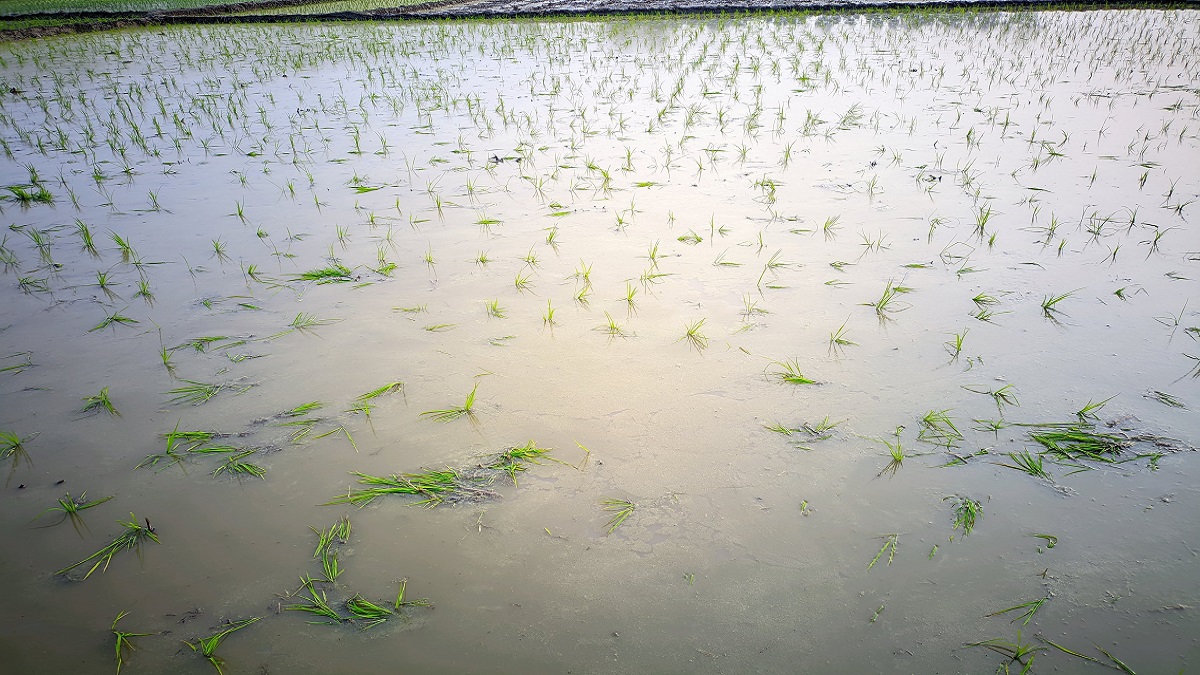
(778, 292)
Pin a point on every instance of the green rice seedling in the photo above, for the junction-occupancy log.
(789, 371)
(513, 460)
(531, 259)
(750, 308)
(451, 414)
(367, 612)
(316, 602)
(71, 508)
(330, 274)
(31, 285)
(890, 543)
(330, 566)
(722, 262)
(1021, 652)
(938, 428)
(235, 465)
(1050, 539)
(17, 367)
(124, 641)
(583, 295)
(621, 510)
(85, 238)
(691, 238)
(338, 533)
(116, 318)
(693, 335)
(1089, 411)
(362, 401)
(127, 252)
(434, 486)
(887, 302)
(1078, 442)
(131, 539)
(401, 601)
(1029, 463)
(966, 512)
(1002, 396)
(523, 282)
(838, 339)
(897, 453)
(983, 300)
(339, 430)
(1030, 608)
(194, 392)
(1050, 303)
(440, 327)
(428, 258)
(548, 315)
(99, 403)
(12, 447)
(482, 259)
(611, 327)
(630, 297)
(494, 309)
(207, 647)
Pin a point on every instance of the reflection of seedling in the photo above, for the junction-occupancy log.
(131, 539)
(621, 510)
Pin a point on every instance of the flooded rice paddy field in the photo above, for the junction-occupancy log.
(859, 343)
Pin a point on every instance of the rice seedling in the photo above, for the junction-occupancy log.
(896, 452)
(621, 510)
(1076, 442)
(330, 274)
(124, 641)
(887, 302)
(194, 392)
(494, 309)
(71, 508)
(938, 428)
(235, 465)
(1029, 463)
(548, 315)
(131, 539)
(338, 533)
(611, 327)
(17, 367)
(890, 543)
(1020, 652)
(1002, 396)
(451, 414)
(630, 297)
(693, 335)
(1050, 303)
(966, 512)
(207, 647)
(838, 339)
(316, 602)
(114, 319)
(99, 403)
(1030, 608)
(12, 447)
(433, 486)
(1089, 411)
(789, 371)
(523, 282)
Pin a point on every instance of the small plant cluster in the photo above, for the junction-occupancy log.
(435, 487)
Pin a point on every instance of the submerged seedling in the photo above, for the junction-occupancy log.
(966, 512)
(890, 543)
(1030, 608)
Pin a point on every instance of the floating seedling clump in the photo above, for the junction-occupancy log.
(436, 487)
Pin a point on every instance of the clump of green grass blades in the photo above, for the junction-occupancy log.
(124, 645)
(98, 403)
(437, 486)
(12, 447)
(334, 273)
(132, 538)
(789, 371)
(207, 647)
(1021, 652)
(71, 507)
(451, 414)
(1076, 442)
(621, 510)
(966, 512)
(1027, 462)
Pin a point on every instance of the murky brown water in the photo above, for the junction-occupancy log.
(769, 175)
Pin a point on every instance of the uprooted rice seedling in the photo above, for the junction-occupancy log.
(131, 539)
